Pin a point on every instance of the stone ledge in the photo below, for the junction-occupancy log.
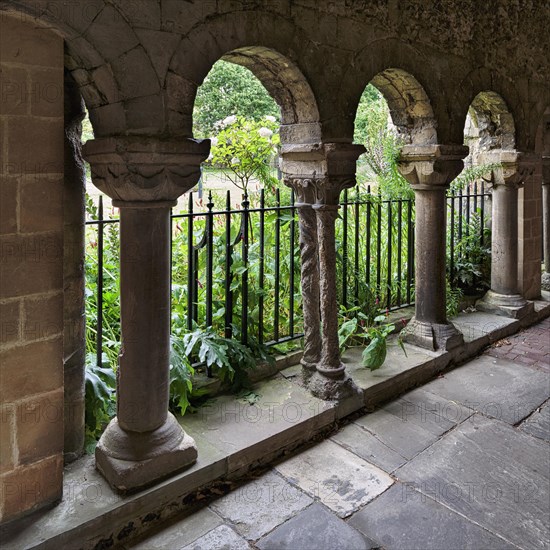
(233, 437)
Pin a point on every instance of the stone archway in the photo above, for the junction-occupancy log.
(429, 167)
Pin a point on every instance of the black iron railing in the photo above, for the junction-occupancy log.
(237, 270)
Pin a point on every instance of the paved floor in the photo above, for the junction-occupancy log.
(463, 462)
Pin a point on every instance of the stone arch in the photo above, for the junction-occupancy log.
(500, 95)
(256, 47)
(410, 108)
(490, 123)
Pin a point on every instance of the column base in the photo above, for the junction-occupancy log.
(432, 336)
(132, 460)
(513, 306)
(332, 389)
(545, 281)
(308, 370)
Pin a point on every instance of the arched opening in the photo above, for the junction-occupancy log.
(377, 225)
(489, 128)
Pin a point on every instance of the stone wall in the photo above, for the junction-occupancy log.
(31, 272)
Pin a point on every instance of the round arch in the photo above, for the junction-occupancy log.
(256, 47)
(490, 123)
(410, 108)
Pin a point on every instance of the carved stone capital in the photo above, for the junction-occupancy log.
(304, 190)
(140, 169)
(431, 167)
(514, 167)
(324, 169)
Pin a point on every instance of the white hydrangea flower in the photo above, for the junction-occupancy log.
(227, 121)
(265, 132)
(270, 118)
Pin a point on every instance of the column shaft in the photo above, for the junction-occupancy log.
(504, 245)
(309, 254)
(430, 256)
(329, 364)
(143, 377)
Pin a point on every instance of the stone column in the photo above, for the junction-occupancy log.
(430, 170)
(309, 254)
(144, 176)
(545, 283)
(331, 381)
(503, 298)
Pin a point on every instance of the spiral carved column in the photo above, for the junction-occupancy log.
(309, 254)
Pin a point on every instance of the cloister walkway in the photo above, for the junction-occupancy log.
(462, 462)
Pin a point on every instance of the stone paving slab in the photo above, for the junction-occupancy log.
(316, 528)
(364, 444)
(338, 478)
(430, 411)
(220, 538)
(261, 505)
(538, 424)
(491, 473)
(404, 437)
(404, 519)
(180, 533)
(496, 387)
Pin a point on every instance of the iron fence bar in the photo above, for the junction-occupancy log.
(261, 281)
(389, 262)
(190, 258)
(277, 268)
(399, 248)
(209, 266)
(452, 237)
(356, 251)
(379, 249)
(228, 275)
(244, 276)
(292, 265)
(369, 221)
(345, 251)
(99, 327)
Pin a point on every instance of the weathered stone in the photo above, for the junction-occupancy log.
(220, 537)
(504, 298)
(369, 447)
(261, 505)
(430, 169)
(403, 518)
(315, 527)
(339, 479)
(495, 387)
(492, 474)
(538, 424)
(181, 532)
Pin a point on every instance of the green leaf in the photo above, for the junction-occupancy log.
(374, 354)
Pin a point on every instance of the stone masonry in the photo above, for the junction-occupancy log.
(137, 65)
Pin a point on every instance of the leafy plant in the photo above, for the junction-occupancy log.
(374, 354)
(244, 148)
(472, 256)
(454, 297)
(100, 384)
